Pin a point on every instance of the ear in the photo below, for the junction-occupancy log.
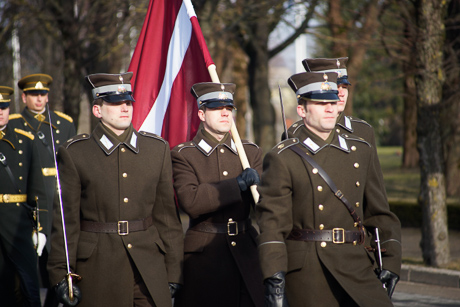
(23, 97)
(301, 111)
(201, 115)
(97, 111)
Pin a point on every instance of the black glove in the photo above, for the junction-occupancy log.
(62, 293)
(174, 288)
(247, 178)
(274, 291)
(389, 280)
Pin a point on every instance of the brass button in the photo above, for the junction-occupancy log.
(222, 150)
(20, 152)
(58, 122)
(25, 124)
(337, 130)
(125, 175)
(357, 204)
(353, 148)
(233, 243)
(57, 131)
(20, 163)
(130, 245)
(323, 244)
(356, 165)
(355, 224)
(320, 188)
(321, 226)
(321, 207)
(314, 171)
(125, 199)
(180, 145)
(18, 204)
(20, 177)
(357, 183)
(20, 141)
(225, 173)
(354, 242)
(57, 142)
(123, 150)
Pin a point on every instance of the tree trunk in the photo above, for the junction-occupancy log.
(259, 91)
(429, 80)
(410, 158)
(451, 92)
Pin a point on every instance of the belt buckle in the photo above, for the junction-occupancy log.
(123, 228)
(231, 223)
(337, 231)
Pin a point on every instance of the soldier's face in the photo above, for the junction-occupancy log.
(35, 102)
(116, 116)
(4, 113)
(319, 117)
(217, 121)
(343, 96)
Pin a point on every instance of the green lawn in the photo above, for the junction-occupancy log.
(399, 183)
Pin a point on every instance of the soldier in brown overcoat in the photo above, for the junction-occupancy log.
(124, 236)
(311, 241)
(221, 265)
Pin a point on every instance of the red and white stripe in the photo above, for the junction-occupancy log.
(169, 58)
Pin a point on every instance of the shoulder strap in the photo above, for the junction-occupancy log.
(332, 186)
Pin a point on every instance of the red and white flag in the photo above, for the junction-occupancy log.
(170, 56)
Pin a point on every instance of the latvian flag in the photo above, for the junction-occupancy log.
(170, 56)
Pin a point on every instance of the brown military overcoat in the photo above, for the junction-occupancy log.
(294, 196)
(105, 180)
(216, 266)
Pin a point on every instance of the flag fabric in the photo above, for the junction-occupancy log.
(170, 56)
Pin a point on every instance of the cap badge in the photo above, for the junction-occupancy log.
(325, 86)
(223, 96)
(1, 97)
(39, 85)
(121, 88)
(222, 87)
(338, 63)
(121, 78)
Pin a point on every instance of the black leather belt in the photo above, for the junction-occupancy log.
(232, 228)
(121, 228)
(336, 235)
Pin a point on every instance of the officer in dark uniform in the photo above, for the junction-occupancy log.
(35, 118)
(319, 198)
(345, 124)
(21, 195)
(124, 235)
(221, 266)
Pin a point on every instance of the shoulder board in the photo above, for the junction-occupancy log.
(63, 115)
(152, 135)
(76, 138)
(285, 144)
(246, 142)
(359, 120)
(352, 137)
(14, 116)
(184, 145)
(25, 133)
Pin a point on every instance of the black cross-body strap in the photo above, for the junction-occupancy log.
(8, 171)
(331, 185)
(42, 138)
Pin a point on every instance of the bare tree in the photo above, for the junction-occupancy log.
(429, 79)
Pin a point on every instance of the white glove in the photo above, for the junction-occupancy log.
(39, 242)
